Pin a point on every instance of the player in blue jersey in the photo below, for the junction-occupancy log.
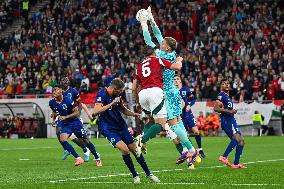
(172, 96)
(111, 125)
(67, 112)
(74, 95)
(224, 105)
(187, 115)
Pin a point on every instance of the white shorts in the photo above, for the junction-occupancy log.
(150, 100)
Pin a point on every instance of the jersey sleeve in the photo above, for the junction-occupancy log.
(147, 39)
(51, 106)
(136, 76)
(158, 34)
(75, 94)
(191, 98)
(165, 63)
(100, 98)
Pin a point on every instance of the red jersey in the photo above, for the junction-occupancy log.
(150, 72)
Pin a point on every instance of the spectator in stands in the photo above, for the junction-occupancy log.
(281, 83)
(217, 38)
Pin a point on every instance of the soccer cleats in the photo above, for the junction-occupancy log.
(153, 178)
(239, 166)
(79, 161)
(225, 161)
(65, 155)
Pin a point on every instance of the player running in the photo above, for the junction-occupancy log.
(74, 96)
(187, 115)
(111, 125)
(172, 97)
(224, 105)
(64, 107)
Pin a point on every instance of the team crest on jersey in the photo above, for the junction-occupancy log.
(219, 97)
(64, 106)
(99, 99)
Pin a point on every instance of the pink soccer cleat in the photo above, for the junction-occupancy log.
(99, 163)
(225, 160)
(239, 166)
(79, 161)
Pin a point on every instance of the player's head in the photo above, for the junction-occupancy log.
(56, 91)
(117, 86)
(169, 44)
(225, 85)
(148, 51)
(177, 80)
(65, 82)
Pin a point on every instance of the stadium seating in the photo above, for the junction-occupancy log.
(216, 39)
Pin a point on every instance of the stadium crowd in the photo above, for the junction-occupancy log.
(94, 42)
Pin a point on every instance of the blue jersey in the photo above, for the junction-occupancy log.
(71, 93)
(110, 119)
(188, 99)
(64, 108)
(168, 75)
(227, 103)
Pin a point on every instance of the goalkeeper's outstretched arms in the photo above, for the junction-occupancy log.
(155, 27)
(146, 34)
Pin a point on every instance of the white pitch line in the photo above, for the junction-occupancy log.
(182, 183)
(24, 159)
(158, 171)
(53, 147)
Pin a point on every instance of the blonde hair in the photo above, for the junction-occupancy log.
(171, 42)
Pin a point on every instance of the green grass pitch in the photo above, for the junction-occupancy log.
(27, 163)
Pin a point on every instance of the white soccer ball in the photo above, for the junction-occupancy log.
(142, 14)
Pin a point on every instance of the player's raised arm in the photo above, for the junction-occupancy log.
(145, 30)
(155, 27)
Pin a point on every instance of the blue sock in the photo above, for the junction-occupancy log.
(239, 151)
(93, 149)
(128, 162)
(143, 164)
(70, 149)
(198, 140)
(230, 147)
(79, 143)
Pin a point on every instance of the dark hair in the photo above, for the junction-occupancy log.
(147, 50)
(171, 42)
(177, 75)
(117, 83)
(224, 80)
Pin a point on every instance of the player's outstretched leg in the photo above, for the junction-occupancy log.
(82, 145)
(143, 163)
(230, 147)
(239, 151)
(93, 150)
(198, 140)
(65, 153)
(152, 129)
(69, 148)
